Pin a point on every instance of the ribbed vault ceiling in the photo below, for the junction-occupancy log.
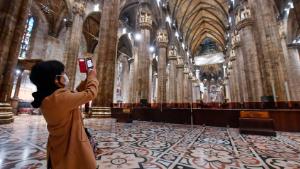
(199, 19)
(55, 11)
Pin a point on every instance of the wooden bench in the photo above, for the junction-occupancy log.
(259, 123)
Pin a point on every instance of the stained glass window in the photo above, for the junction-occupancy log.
(26, 37)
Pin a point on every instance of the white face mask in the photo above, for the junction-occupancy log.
(67, 81)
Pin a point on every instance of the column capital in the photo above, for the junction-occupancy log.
(162, 38)
(79, 8)
(179, 66)
(172, 54)
(145, 18)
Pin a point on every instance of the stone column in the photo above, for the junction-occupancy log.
(73, 41)
(251, 60)
(269, 48)
(162, 40)
(291, 56)
(18, 85)
(68, 25)
(172, 55)
(133, 75)
(14, 49)
(190, 87)
(294, 70)
(117, 73)
(15, 99)
(237, 55)
(186, 85)
(155, 86)
(180, 80)
(143, 68)
(107, 53)
(227, 90)
(9, 17)
(128, 83)
(196, 90)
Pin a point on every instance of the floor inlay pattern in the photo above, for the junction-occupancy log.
(154, 146)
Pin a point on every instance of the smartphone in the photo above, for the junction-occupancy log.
(89, 63)
(82, 66)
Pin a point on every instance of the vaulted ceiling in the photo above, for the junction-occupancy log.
(91, 30)
(55, 11)
(200, 19)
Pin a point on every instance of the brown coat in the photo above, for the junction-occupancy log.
(68, 146)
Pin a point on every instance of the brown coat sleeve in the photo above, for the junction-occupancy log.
(72, 100)
(81, 86)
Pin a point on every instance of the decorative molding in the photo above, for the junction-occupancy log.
(244, 23)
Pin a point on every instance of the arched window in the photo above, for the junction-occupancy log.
(26, 37)
(208, 46)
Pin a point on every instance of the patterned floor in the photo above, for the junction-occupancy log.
(154, 146)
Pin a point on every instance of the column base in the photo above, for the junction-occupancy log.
(6, 115)
(100, 112)
(14, 105)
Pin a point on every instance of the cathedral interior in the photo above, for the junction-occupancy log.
(183, 84)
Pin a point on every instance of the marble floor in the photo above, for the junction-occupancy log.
(154, 146)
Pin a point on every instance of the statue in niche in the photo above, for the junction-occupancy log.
(235, 38)
(237, 17)
(213, 93)
(229, 65)
(145, 17)
(173, 51)
(162, 36)
(245, 13)
(232, 53)
(179, 60)
(186, 69)
(282, 33)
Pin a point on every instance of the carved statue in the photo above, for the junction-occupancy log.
(282, 33)
(235, 38)
(232, 53)
(247, 12)
(237, 17)
(145, 18)
(186, 69)
(162, 37)
(173, 51)
(242, 14)
(179, 60)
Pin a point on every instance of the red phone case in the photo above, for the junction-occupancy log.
(82, 66)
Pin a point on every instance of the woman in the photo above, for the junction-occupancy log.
(68, 146)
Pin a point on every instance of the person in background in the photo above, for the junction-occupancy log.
(68, 146)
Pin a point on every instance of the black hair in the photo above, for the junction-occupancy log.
(43, 75)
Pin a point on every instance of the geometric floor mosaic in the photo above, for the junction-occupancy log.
(154, 146)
